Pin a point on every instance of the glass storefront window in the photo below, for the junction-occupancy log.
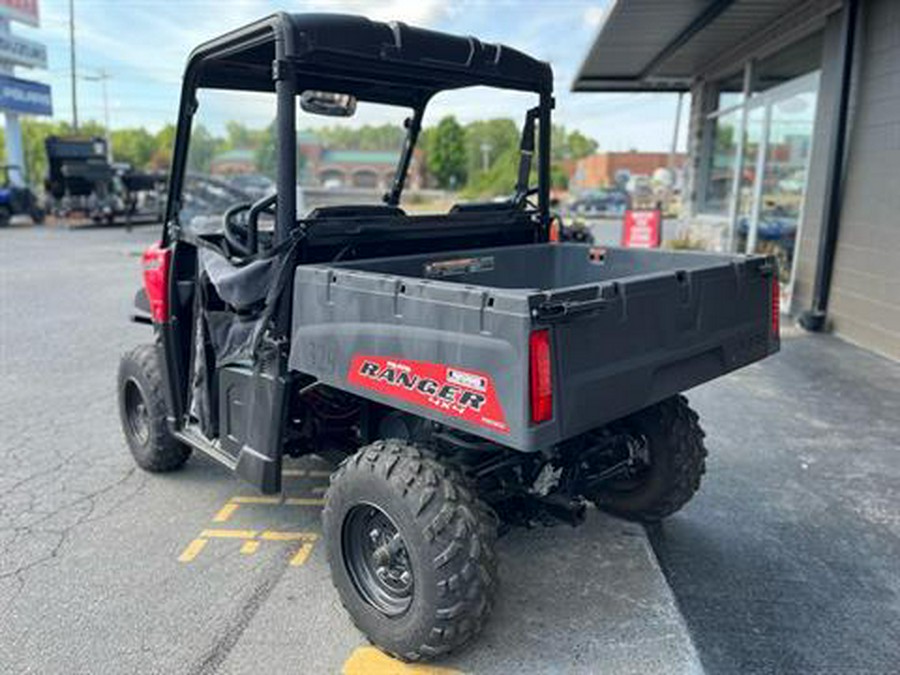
(757, 157)
(731, 91)
(788, 149)
(720, 170)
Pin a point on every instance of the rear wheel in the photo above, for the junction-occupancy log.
(671, 442)
(142, 409)
(410, 549)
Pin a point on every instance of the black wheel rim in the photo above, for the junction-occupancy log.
(377, 560)
(137, 417)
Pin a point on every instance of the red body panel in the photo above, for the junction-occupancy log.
(451, 391)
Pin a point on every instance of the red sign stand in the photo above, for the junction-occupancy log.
(642, 229)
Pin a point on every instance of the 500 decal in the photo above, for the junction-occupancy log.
(451, 391)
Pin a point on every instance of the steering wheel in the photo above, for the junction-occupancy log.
(242, 234)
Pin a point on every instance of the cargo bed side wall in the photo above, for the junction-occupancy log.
(537, 266)
(341, 314)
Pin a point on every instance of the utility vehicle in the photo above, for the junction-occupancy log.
(471, 372)
(16, 199)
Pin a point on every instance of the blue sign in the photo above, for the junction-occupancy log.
(24, 96)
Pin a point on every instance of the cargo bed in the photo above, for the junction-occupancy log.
(449, 336)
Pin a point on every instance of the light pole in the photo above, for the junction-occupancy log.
(72, 62)
(102, 76)
(486, 156)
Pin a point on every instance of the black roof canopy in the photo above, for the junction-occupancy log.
(380, 62)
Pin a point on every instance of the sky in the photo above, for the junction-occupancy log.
(143, 44)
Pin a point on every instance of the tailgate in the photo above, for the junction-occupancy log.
(623, 346)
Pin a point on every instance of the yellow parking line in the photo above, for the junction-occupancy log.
(305, 501)
(229, 534)
(249, 547)
(371, 661)
(293, 472)
(316, 473)
(302, 554)
(272, 535)
(255, 499)
(192, 551)
(226, 512)
(277, 501)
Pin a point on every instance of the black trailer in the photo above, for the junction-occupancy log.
(81, 181)
(468, 370)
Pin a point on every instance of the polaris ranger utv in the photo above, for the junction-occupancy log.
(471, 372)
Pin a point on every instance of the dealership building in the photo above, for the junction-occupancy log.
(794, 140)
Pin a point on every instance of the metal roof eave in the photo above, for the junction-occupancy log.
(640, 76)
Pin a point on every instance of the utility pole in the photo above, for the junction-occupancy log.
(486, 156)
(102, 76)
(72, 60)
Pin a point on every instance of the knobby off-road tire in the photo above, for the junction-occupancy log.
(677, 462)
(447, 537)
(142, 409)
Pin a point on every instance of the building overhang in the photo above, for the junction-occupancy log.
(661, 45)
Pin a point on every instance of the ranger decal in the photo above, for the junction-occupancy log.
(453, 391)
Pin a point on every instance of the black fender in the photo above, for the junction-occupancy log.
(142, 308)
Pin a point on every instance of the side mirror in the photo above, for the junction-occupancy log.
(328, 103)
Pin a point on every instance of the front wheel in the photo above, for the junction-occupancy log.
(411, 550)
(671, 442)
(142, 409)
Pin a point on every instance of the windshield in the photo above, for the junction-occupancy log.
(464, 154)
(232, 156)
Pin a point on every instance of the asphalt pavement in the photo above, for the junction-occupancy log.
(788, 560)
(106, 569)
(785, 562)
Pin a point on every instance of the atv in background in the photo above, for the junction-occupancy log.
(17, 199)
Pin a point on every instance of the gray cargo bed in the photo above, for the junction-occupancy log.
(441, 334)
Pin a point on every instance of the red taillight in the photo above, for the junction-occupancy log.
(776, 306)
(541, 376)
(155, 262)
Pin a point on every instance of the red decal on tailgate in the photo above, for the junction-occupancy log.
(466, 394)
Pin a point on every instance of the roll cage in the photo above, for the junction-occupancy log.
(377, 62)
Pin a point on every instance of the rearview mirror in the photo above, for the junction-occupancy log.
(328, 103)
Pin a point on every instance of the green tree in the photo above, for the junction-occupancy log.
(135, 146)
(488, 140)
(571, 145)
(202, 149)
(164, 142)
(446, 153)
(266, 154)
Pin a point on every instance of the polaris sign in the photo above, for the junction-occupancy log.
(22, 52)
(24, 96)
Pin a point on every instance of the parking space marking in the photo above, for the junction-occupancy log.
(225, 512)
(250, 547)
(372, 661)
(193, 550)
(229, 534)
(251, 540)
(302, 554)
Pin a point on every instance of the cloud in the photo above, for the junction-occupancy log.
(414, 12)
(594, 16)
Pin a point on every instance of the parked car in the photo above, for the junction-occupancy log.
(256, 185)
(604, 202)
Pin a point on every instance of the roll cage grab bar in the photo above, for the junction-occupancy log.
(208, 62)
